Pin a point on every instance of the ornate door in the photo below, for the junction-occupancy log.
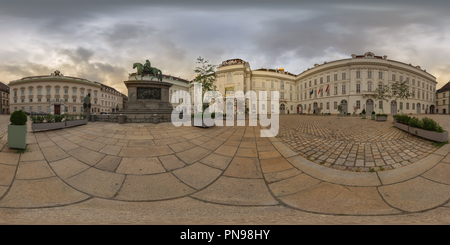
(369, 106)
(393, 107)
(282, 107)
(57, 110)
(344, 106)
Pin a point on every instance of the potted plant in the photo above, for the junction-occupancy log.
(363, 113)
(381, 117)
(51, 122)
(427, 128)
(17, 130)
(72, 120)
(373, 115)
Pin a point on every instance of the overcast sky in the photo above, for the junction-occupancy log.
(100, 40)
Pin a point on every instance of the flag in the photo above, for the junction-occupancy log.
(320, 89)
(312, 91)
(327, 88)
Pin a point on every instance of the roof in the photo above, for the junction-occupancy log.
(446, 87)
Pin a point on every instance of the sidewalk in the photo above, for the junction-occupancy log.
(161, 174)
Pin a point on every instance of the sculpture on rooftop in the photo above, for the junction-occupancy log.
(146, 69)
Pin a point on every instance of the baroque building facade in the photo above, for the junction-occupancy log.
(59, 94)
(350, 83)
(442, 99)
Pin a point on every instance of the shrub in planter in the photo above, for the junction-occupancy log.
(49, 118)
(17, 130)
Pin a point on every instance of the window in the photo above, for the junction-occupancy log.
(335, 77)
(15, 93)
(380, 86)
(272, 85)
(48, 90)
(82, 93)
(39, 91)
(290, 97)
(15, 101)
(343, 76)
(393, 77)
(369, 74)
(328, 105)
(39, 109)
(66, 100)
(309, 83)
(74, 100)
(74, 109)
(282, 85)
(31, 100)
(369, 87)
(229, 79)
(401, 105)
(66, 91)
(291, 87)
(407, 80)
(315, 81)
(22, 92)
(358, 74)
(74, 91)
(31, 108)
(48, 99)
(335, 105)
(57, 91)
(281, 95)
(321, 80)
(328, 79)
(358, 88)
(358, 104)
(22, 100)
(407, 106)
(335, 89)
(263, 84)
(380, 75)
(343, 89)
(48, 109)
(31, 91)
(401, 79)
(39, 99)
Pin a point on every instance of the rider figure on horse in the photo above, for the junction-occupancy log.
(147, 65)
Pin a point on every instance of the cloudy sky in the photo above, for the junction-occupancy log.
(100, 40)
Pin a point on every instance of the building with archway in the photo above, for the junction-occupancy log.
(349, 83)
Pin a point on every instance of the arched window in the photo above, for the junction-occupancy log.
(229, 79)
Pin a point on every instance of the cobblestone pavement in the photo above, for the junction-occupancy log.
(353, 143)
(161, 174)
(4, 122)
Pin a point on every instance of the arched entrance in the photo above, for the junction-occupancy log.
(299, 108)
(282, 107)
(393, 107)
(344, 106)
(369, 106)
(432, 109)
(418, 108)
(230, 109)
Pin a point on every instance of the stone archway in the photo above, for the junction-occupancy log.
(432, 109)
(282, 108)
(299, 108)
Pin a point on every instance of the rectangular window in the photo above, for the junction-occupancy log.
(74, 91)
(82, 93)
(358, 74)
(328, 79)
(48, 90)
(39, 99)
(57, 91)
(335, 77)
(39, 109)
(15, 93)
(380, 75)
(74, 109)
(22, 92)
(358, 104)
(407, 106)
(393, 77)
(48, 109)
(31, 108)
(74, 100)
(343, 76)
(328, 105)
(282, 85)
(335, 105)
(66, 91)
(369, 87)
(31, 91)
(401, 78)
(335, 89)
(369, 74)
(321, 80)
(39, 91)
(31, 100)
(358, 88)
(48, 99)
(343, 89)
(272, 85)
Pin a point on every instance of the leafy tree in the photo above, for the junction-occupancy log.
(400, 90)
(206, 76)
(383, 93)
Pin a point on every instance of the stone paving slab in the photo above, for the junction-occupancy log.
(227, 166)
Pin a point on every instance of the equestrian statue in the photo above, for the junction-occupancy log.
(146, 69)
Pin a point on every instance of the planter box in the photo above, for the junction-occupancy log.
(17, 136)
(48, 126)
(435, 136)
(76, 122)
(355, 115)
(381, 118)
(401, 126)
(373, 116)
(363, 116)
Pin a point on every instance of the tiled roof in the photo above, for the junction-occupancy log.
(446, 87)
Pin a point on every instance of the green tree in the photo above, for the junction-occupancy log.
(206, 76)
(383, 93)
(400, 90)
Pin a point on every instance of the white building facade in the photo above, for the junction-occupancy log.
(349, 82)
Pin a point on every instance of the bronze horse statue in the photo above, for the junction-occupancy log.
(142, 70)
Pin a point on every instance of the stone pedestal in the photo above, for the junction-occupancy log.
(121, 119)
(146, 98)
